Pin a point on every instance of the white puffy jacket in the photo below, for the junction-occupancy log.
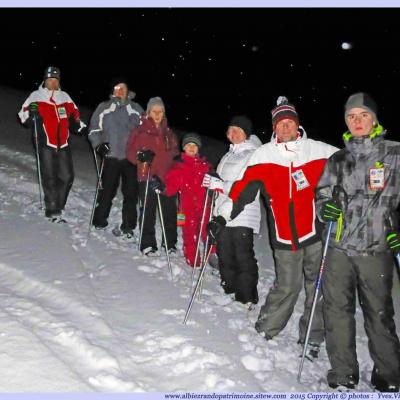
(230, 169)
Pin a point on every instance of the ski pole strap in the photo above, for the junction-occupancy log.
(339, 227)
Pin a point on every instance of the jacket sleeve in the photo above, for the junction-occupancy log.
(323, 190)
(173, 181)
(96, 126)
(24, 112)
(132, 147)
(174, 144)
(245, 190)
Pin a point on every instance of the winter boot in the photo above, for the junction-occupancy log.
(151, 252)
(342, 383)
(381, 384)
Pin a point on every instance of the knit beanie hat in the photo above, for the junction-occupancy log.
(191, 138)
(241, 121)
(155, 101)
(284, 110)
(52, 72)
(361, 100)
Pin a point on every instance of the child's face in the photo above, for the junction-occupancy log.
(191, 149)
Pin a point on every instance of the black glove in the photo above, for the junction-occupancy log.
(393, 240)
(103, 149)
(215, 228)
(145, 156)
(156, 184)
(330, 211)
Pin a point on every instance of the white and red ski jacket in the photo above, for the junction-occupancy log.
(286, 174)
(55, 108)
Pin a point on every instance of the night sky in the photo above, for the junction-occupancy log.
(210, 64)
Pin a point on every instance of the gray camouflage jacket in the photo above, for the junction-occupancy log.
(112, 122)
(364, 229)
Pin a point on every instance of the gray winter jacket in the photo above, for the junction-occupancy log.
(365, 215)
(112, 122)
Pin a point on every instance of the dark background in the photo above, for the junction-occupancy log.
(210, 64)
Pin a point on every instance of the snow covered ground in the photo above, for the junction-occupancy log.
(80, 315)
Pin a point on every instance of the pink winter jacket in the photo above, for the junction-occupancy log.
(161, 140)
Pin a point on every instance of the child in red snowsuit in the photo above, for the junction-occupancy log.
(185, 177)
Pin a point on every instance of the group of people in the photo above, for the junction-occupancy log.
(310, 189)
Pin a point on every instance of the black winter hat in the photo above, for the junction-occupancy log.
(191, 138)
(52, 72)
(243, 122)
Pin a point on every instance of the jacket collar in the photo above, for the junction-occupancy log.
(364, 144)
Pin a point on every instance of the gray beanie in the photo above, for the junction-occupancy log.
(361, 100)
(191, 138)
(155, 101)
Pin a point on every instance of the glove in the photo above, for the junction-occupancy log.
(145, 156)
(156, 184)
(331, 211)
(215, 228)
(34, 109)
(213, 182)
(393, 240)
(103, 149)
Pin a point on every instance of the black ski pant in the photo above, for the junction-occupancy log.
(57, 175)
(237, 263)
(293, 271)
(372, 277)
(114, 171)
(168, 205)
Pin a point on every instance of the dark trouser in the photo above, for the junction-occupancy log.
(237, 263)
(292, 268)
(372, 276)
(57, 174)
(168, 205)
(113, 171)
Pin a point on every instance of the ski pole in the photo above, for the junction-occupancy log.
(164, 234)
(335, 196)
(95, 196)
(97, 165)
(144, 205)
(203, 268)
(38, 162)
(207, 241)
(199, 235)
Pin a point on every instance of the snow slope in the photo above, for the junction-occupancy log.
(79, 315)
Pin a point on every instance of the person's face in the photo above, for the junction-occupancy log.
(286, 130)
(360, 122)
(157, 114)
(52, 83)
(236, 135)
(121, 91)
(191, 149)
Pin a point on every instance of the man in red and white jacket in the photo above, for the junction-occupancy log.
(55, 114)
(285, 171)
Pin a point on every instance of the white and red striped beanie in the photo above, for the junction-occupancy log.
(284, 110)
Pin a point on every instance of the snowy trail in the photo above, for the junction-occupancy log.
(79, 314)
